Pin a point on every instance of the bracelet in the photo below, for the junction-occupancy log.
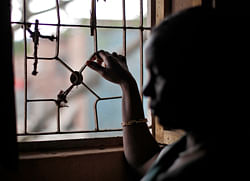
(133, 122)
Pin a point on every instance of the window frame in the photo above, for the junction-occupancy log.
(85, 141)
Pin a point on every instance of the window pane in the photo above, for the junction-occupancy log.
(109, 12)
(110, 39)
(76, 12)
(41, 117)
(44, 11)
(76, 46)
(133, 8)
(51, 78)
(18, 63)
(109, 114)
(79, 114)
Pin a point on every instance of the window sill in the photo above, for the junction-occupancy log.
(88, 159)
(72, 145)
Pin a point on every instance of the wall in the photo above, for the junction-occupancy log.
(88, 165)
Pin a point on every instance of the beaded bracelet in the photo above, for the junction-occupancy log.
(133, 122)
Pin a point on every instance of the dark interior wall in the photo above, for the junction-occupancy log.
(87, 165)
(8, 158)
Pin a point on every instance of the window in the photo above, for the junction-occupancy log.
(57, 96)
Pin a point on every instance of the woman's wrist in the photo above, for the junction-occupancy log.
(128, 83)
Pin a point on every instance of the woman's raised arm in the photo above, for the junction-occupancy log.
(139, 145)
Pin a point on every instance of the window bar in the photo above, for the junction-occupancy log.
(94, 34)
(93, 31)
(95, 40)
(64, 64)
(57, 58)
(124, 28)
(87, 26)
(25, 67)
(96, 115)
(141, 48)
(58, 28)
(58, 119)
(95, 94)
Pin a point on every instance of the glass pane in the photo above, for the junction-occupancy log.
(110, 113)
(76, 46)
(41, 117)
(109, 12)
(16, 10)
(146, 100)
(110, 40)
(76, 12)
(133, 53)
(18, 65)
(133, 12)
(51, 78)
(44, 11)
(79, 114)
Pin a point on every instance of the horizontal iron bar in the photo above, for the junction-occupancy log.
(87, 26)
(41, 100)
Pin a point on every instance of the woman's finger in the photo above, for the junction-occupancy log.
(96, 56)
(95, 66)
(105, 56)
(115, 54)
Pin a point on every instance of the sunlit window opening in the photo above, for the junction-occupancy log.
(66, 41)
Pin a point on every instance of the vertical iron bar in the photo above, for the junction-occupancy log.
(58, 120)
(56, 56)
(96, 116)
(57, 28)
(95, 49)
(93, 24)
(25, 67)
(95, 40)
(141, 48)
(124, 28)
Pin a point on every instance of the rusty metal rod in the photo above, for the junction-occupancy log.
(141, 49)
(25, 68)
(95, 94)
(86, 26)
(124, 28)
(64, 64)
(41, 100)
(58, 28)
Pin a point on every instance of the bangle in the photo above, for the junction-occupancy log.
(133, 122)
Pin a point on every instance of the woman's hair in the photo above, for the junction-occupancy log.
(198, 51)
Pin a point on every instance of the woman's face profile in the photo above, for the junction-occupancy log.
(157, 89)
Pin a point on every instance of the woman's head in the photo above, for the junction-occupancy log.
(178, 58)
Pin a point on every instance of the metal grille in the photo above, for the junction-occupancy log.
(31, 29)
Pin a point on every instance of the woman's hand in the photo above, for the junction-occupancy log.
(112, 67)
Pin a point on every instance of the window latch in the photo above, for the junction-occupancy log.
(76, 79)
(35, 35)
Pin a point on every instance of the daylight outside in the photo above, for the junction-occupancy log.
(75, 47)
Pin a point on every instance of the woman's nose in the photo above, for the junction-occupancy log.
(149, 91)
